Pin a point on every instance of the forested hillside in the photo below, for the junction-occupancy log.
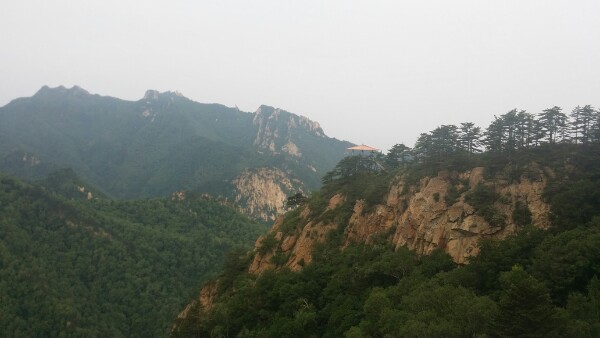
(531, 274)
(75, 265)
(164, 143)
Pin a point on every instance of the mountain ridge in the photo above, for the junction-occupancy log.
(161, 143)
(407, 252)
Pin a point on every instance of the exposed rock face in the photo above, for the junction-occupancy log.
(419, 218)
(151, 95)
(415, 216)
(277, 128)
(31, 160)
(262, 192)
(297, 247)
(205, 300)
(427, 224)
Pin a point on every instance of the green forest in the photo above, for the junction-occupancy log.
(156, 145)
(72, 267)
(536, 283)
(75, 263)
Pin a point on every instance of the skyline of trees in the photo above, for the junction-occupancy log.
(507, 133)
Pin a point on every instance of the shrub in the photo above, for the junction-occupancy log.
(279, 258)
(452, 195)
(291, 221)
(482, 198)
(481, 195)
(267, 244)
(521, 214)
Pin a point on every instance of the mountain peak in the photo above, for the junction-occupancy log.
(62, 90)
(267, 113)
(153, 95)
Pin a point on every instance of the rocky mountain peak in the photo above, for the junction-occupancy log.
(265, 112)
(278, 130)
(151, 95)
(155, 95)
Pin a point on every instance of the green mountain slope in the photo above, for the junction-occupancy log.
(73, 266)
(159, 144)
(359, 282)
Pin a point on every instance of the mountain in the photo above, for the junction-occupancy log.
(73, 264)
(452, 246)
(164, 143)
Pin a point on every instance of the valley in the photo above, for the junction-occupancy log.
(167, 217)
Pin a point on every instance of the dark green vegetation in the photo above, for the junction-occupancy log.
(84, 268)
(537, 283)
(157, 145)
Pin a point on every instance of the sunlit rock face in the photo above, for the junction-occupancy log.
(262, 192)
(278, 129)
(418, 217)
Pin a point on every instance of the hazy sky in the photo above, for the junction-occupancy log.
(373, 72)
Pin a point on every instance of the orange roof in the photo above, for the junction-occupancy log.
(363, 147)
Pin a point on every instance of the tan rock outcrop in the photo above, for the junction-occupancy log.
(263, 191)
(419, 218)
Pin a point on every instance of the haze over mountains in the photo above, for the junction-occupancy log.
(113, 232)
(444, 239)
(165, 143)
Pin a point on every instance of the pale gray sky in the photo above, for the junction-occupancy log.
(373, 72)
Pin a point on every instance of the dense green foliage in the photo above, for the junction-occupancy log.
(537, 283)
(77, 267)
(482, 198)
(157, 145)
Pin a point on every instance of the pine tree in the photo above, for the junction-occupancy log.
(524, 309)
(397, 155)
(468, 138)
(553, 121)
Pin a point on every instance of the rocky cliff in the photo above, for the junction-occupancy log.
(261, 193)
(422, 217)
(434, 213)
(278, 129)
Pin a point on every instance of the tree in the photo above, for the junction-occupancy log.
(576, 124)
(567, 261)
(469, 137)
(510, 132)
(594, 125)
(494, 136)
(295, 200)
(524, 309)
(525, 123)
(438, 144)
(397, 155)
(445, 139)
(553, 123)
(583, 123)
(433, 310)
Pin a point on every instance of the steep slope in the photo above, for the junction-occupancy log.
(420, 217)
(163, 143)
(72, 264)
(407, 254)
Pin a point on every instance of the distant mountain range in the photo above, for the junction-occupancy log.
(164, 143)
